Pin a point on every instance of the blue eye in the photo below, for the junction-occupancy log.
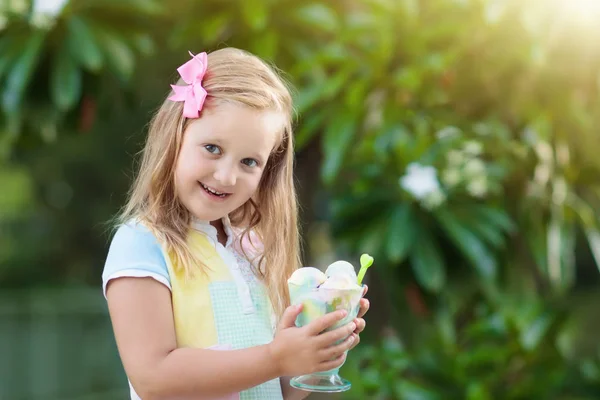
(250, 162)
(212, 149)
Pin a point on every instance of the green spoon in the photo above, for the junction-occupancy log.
(365, 262)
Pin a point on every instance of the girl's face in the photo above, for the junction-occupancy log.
(222, 158)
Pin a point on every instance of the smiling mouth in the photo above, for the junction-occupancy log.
(214, 192)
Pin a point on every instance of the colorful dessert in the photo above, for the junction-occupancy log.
(321, 293)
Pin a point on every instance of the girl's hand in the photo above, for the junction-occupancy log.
(359, 321)
(299, 351)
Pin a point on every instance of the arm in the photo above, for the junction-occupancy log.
(142, 317)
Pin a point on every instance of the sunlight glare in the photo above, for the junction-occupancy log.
(586, 11)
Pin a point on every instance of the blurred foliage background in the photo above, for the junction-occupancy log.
(454, 140)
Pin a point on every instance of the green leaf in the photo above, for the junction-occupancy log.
(144, 44)
(318, 16)
(333, 86)
(308, 97)
(486, 229)
(494, 216)
(407, 390)
(478, 391)
(535, 235)
(212, 30)
(10, 47)
(20, 74)
(309, 128)
(534, 333)
(255, 13)
(83, 45)
(120, 57)
(401, 233)
(373, 237)
(148, 7)
(469, 244)
(265, 45)
(593, 237)
(65, 80)
(17, 194)
(427, 262)
(338, 136)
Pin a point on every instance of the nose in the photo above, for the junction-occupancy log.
(225, 174)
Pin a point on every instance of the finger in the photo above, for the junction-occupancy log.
(324, 322)
(331, 364)
(356, 341)
(360, 325)
(288, 319)
(328, 338)
(365, 290)
(335, 351)
(364, 307)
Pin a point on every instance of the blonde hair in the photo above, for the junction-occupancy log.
(233, 76)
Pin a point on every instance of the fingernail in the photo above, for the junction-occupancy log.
(353, 326)
(343, 313)
(351, 339)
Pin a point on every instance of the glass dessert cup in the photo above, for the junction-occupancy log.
(316, 303)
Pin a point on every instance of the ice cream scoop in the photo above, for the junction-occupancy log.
(305, 280)
(340, 281)
(307, 276)
(341, 268)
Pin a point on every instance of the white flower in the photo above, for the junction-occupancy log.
(560, 191)
(448, 132)
(41, 21)
(51, 8)
(44, 12)
(420, 180)
(478, 187)
(475, 167)
(434, 199)
(544, 151)
(451, 177)
(562, 153)
(473, 148)
(455, 157)
(482, 129)
(542, 174)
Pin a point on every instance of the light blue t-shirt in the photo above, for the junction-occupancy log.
(135, 252)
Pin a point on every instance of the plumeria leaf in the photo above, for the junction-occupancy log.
(19, 77)
(469, 244)
(65, 81)
(427, 262)
(401, 232)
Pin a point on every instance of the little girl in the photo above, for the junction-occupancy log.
(196, 275)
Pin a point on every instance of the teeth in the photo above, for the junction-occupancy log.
(212, 191)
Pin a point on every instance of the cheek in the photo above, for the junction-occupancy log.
(252, 183)
(185, 171)
(190, 165)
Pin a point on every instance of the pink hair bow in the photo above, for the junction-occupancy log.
(193, 95)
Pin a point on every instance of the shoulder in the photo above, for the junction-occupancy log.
(134, 234)
(135, 252)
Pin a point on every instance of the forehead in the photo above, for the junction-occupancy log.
(239, 126)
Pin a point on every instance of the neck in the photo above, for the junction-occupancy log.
(221, 235)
